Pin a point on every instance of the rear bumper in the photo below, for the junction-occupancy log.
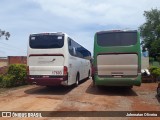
(47, 81)
(118, 81)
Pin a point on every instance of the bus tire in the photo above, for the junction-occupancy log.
(88, 74)
(99, 87)
(93, 80)
(158, 91)
(77, 80)
(48, 86)
(129, 87)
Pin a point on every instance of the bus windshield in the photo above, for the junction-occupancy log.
(105, 39)
(39, 41)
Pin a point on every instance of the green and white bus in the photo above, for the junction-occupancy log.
(117, 58)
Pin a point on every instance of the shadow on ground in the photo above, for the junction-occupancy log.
(52, 90)
(158, 98)
(111, 91)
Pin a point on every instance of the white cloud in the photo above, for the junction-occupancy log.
(103, 12)
(78, 18)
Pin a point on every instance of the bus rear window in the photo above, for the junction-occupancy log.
(116, 38)
(39, 41)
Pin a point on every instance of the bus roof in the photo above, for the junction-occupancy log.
(49, 33)
(109, 31)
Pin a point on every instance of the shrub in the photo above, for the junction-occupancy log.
(19, 73)
(8, 81)
(158, 59)
(15, 76)
(1, 78)
(151, 69)
(151, 59)
(155, 72)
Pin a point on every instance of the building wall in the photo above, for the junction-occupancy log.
(3, 62)
(3, 70)
(17, 60)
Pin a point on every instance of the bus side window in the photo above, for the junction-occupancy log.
(69, 42)
(70, 46)
(74, 51)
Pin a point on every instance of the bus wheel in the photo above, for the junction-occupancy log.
(100, 87)
(48, 86)
(93, 80)
(77, 80)
(129, 87)
(88, 74)
(158, 91)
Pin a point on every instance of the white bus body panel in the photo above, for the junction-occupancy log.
(54, 60)
(46, 65)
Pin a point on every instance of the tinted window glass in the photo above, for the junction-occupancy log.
(77, 50)
(46, 41)
(116, 38)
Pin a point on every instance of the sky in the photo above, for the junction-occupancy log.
(80, 19)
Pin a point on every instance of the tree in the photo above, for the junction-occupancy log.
(4, 33)
(150, 32)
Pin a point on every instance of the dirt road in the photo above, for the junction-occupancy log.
(85, 97)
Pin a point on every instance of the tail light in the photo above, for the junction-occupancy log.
(27, 70)
(65, 70)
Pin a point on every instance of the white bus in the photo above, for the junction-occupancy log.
(56, 59)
